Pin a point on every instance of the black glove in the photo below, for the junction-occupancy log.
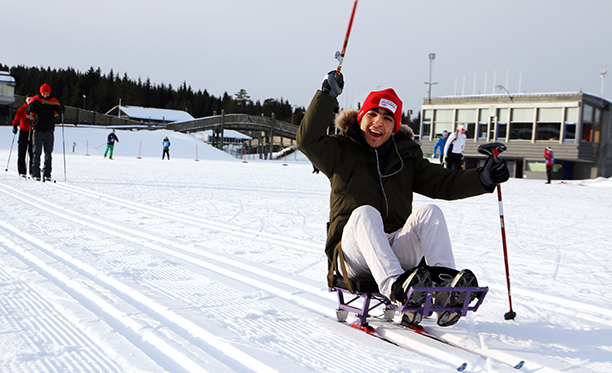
(14, 129)
(494, 172)
(62, 109)
(333, 84)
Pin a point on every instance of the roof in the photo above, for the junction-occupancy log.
(231, 134)
(5, 77)
(146, 113)
(516, 98)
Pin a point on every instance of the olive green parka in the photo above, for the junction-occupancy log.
(352, 168)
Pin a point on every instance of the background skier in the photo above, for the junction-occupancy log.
(43, 109)
(440, 146)
(22, 122)
(374, 166)
(454, 148)
(110, 144)
(549, 156)
(166, 146)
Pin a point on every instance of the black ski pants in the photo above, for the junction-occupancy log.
(24, 147)
(43, 140)
(454, 161)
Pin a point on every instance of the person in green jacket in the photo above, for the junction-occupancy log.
(110, 144)
(374, 167)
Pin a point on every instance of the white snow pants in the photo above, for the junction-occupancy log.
(369, 251)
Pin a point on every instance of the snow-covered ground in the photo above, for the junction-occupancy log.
(144, 265)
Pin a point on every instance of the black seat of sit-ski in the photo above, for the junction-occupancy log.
(359, 285)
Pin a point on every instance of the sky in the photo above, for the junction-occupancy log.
(283, 49)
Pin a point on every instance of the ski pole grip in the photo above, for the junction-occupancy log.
(492, 149)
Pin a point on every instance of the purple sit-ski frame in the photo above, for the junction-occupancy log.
(372, 300)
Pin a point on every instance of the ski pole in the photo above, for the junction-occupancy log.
(494, 149)
(10, 151)
(510, 315)
(64, 145)
(340, 55)
(30, 153)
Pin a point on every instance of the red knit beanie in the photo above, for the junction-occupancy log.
(45, 88)
(386, 99)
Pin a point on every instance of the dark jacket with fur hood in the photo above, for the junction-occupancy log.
(351, 166)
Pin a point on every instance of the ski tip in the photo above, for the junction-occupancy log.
(462, 367)
(519, 365)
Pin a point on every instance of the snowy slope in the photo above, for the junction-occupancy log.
(144, 265)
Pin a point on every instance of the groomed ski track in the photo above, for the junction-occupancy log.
(154, 291)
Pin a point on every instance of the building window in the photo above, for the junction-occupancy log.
(587, 123)
(443, 120)
(466, 115)
(536, 166)
(569, 133)
(549, 131)
(521, 131)
(426, 130)
(502, 123)
(571, 121)
(521, 124)
(540, 166)
(427, 119)
(502, 130)
(483, 130)
(471, 129)
(587, 132)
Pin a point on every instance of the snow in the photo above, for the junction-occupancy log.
(144, 265)
(147, 113)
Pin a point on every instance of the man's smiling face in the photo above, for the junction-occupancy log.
(377, 126)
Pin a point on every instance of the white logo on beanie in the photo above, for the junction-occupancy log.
(389, 105)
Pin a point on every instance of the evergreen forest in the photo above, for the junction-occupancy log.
(98, 92)
(95, 91)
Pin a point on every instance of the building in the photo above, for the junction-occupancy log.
(7, 88)
(149, 115)
(230, 137)
(7, 96)
(577, 126)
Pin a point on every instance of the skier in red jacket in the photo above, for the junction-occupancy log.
(24, 141)
(549, 156)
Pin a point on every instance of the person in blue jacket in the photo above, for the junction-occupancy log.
(440, 145)
(166, 146)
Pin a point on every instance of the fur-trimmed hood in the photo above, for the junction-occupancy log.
(348, 117)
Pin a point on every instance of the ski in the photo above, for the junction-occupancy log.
(443, 353)
(485, 353)
(441, 346)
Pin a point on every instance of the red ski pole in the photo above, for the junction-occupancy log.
(493, 149)
(340, 55)
(510, 315)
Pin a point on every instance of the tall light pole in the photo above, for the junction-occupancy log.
(603, 75)
(501, 87)
(84, 100)
(432, 56)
